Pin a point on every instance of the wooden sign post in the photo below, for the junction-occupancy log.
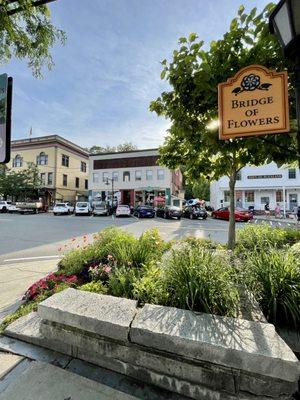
(254, 102)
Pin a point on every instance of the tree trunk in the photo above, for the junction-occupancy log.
(231, 232)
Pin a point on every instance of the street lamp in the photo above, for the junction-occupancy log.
(285, 24)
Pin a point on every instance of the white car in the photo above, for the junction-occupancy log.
(123, 211)
(12, 208)
(63, 208)
(83, 208)
(4, 205)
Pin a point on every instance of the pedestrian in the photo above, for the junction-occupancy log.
(267, 210)
(277, 211)
(298, 214)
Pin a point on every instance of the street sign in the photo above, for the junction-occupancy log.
(5, 117)
(254, 102)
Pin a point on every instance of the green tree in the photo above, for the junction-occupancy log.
(199, 189)
(127, 146)
(192, 103)
(27, 34)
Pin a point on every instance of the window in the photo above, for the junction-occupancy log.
(104, 176)
(126, 176)
(65, 180)
(18, 161)
(64, 160)
(42, 159)
(149, 175)
(138, 175)
(279, 196)
(43, 178)
(265, 200)
(115, 176)
(239, 175)
(95, 177)
(77, 182)
(50, 178)
(249, 196)
(86, 184)
(226, 196)
(160, 174)
(292, 173)
(83, 166)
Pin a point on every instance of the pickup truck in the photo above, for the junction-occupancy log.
(33, 207)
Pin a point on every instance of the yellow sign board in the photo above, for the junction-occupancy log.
(253, 102)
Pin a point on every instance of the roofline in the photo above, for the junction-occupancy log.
(56, 138)
(122, 152)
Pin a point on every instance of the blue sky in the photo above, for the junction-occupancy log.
(109, 70)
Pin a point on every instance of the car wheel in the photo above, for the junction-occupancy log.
(191, 216)
(55, 213)
(179, 218)
(4, 209)
(69, 212)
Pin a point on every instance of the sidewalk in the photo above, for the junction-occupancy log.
(15, 278)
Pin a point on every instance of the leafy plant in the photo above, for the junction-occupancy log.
(95, 287)
(121, 282)
(201, 280)
(274, 278)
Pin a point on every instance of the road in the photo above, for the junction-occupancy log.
(25, 236)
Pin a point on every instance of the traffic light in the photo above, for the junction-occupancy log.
(5, 117)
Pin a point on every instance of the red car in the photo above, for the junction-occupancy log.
(240, 214)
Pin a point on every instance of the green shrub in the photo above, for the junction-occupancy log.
(274, 278)
(95, 287)
(200, 280)
(121, 281)
(258, 238)
(201, 243)
(295, 250)
(151, 286)
(292, 235)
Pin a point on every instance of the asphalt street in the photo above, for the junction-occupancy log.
(43, 235)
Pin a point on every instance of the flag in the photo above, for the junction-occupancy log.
(30, 132)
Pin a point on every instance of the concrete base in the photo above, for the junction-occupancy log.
(8, 362)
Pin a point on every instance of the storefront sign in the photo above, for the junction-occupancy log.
(254, 102)
(5, 117)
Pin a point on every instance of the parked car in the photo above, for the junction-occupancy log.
(32, 206)
(83, 208)
(144, 212)
(63, 208)
(195, 212)
(169, 212)
(240, 214)
(101, 208)
(4, 205)
(123, 210)
(12, 208)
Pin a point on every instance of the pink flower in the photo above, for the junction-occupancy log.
(73, 239)
(107, 269)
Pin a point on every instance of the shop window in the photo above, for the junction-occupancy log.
(65, 180)
(105, 177)
(138, 175)
(86, 184)
(50, 178)
(95, 177)
(65, 160)
(292, 173)
(18, 161)
(83, 166)
(249, 196)
(226, 196)
(77, 183)
(265, 200)
(160, 174)
(149, 175)
(115, 176)
(126, 176)
(279, 196)
(42, 159)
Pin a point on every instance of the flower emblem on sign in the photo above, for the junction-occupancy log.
(249, 83)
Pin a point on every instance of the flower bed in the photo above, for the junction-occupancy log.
(193, 274)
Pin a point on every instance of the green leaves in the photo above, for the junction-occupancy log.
(192, 37)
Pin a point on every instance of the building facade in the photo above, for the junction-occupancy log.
(134, 177)
(62, 165)
(257, 186)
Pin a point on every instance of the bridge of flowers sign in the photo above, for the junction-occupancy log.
(253, 102)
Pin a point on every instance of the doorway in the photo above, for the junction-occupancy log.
(293, 200)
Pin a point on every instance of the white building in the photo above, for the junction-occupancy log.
(257, 186)
(133, 176)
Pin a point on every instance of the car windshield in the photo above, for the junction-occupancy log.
(146, 208)
(123, 206)
(241, 209)
(82, 204)
(100, 206)
(175, 208)
(60, 205)
(198, 208)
